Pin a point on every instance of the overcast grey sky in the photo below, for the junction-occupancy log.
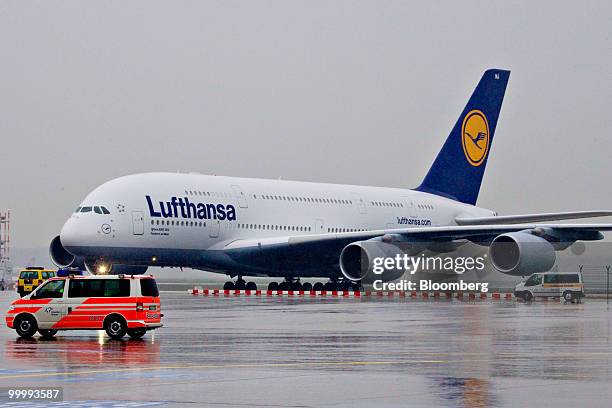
(345, 92)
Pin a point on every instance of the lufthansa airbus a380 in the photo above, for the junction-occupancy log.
(287, 229)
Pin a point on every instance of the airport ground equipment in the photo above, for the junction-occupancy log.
(565, 285)
(118, 304)
(32, 277)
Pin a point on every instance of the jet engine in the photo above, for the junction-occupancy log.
(357, 260)
(61, 257)
(521, 253)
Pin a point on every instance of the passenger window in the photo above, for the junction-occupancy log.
(50, 290)
(97, 210)
(148, 287)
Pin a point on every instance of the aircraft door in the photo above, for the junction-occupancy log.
(411, 206)
(319, 226)
(138, 222)
(240, 196)
(214, 228)
(359, 203)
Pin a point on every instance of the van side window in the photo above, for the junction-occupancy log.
(99, 288)
(148, 287)
(551, 278)
(117, 288)
(52, 289)
(569, 278)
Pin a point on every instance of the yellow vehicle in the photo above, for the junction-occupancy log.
(30, 278)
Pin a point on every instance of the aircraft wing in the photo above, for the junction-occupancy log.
(524, 218)
(476, 233)
(322, 251)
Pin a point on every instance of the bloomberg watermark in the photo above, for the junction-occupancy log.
(423, 264)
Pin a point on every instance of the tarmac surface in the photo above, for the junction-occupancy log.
(301, 352)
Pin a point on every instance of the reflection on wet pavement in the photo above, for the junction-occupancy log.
(333, 352)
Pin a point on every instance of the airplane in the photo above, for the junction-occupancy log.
(245, 227)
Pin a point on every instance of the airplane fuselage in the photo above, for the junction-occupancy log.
(187, 220)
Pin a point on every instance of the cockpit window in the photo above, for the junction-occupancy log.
(98, 209)
(77, 210)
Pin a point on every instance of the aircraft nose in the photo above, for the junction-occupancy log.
(71, 234)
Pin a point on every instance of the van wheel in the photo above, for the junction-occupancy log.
(26, 326)
(115, 326)
(47, 333)
(527, 296)
(568, 296)
(136, 333)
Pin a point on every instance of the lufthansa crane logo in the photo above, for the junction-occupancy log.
(475, 137)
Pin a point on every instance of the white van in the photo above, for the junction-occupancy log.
(567, 285)
(118, 304)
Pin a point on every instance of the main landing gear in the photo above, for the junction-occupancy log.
(332, 285)
(240, 284)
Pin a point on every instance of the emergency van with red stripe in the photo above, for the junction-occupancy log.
(118, 304)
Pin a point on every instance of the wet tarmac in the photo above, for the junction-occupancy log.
(283, 352)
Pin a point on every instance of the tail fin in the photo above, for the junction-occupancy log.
(458, 169)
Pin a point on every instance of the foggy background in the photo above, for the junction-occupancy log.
(356, 92)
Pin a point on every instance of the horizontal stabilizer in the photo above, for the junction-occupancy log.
(523, 218)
